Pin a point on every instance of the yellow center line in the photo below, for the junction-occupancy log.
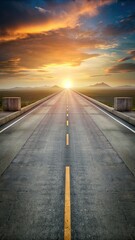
(67, 139)
(67, 114)
(67, 212)
(67, 123)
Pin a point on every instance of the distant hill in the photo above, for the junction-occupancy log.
(100, 85)
(56, 86)
(27, 88)
(44, 87)
(19, 88)
(126, 86)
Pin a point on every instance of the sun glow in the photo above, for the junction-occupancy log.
(67, 84)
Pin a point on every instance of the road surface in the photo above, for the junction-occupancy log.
(67, 178)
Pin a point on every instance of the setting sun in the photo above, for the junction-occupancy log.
(67, 84)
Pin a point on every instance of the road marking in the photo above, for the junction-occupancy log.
(10, 125)
(114, 118)
(67, 139)
(67, 114)
(67, 212)
(35, 108)
(67, 123)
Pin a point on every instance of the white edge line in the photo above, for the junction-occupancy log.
(112, 117)
(10, 125)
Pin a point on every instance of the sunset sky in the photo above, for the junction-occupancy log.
(49, 42)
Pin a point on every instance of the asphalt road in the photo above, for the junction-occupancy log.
(94, 201)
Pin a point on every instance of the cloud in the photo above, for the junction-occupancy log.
(122, 68)
(10, 66)
(132, 56)
(100, 75)
(19, 18)
(43, 10)
(55, 47)
(124, 26)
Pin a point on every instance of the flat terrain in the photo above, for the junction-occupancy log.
(29, 95)
(67, 131)
(106, 95)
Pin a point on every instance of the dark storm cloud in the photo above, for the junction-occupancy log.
(122, 68)
(124, 26)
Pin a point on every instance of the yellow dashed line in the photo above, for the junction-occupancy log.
(67, 139)
(67, 212)
(67, 123)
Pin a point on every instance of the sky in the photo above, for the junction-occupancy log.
(50, 42)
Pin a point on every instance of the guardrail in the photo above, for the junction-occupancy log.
(121, 115)
(16, 114)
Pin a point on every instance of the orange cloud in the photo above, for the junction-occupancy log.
(56, 17)
(10, 66)
(54, 47)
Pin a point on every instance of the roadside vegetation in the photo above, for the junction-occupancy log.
(107, 95)
(29, 95)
